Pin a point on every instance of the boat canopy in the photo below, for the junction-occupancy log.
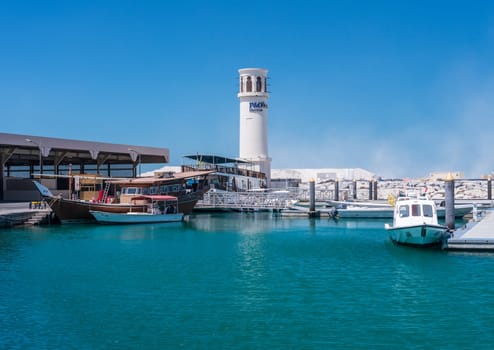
(156, 198)
(213, 159)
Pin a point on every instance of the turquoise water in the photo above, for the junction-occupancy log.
(239, 281)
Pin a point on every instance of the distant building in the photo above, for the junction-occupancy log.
(443, 175)
(322, 175)
(285, 183)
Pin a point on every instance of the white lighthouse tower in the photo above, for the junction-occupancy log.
(253, 95)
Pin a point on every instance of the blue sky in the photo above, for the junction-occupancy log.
(400, 88)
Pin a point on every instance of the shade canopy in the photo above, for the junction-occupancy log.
(17, 150)
(214, 159)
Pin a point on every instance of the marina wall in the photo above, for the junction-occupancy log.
(465, 189)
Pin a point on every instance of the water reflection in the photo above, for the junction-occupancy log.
(245, 223)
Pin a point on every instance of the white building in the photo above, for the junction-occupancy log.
(444, 175)
(322, 175)
(253, 95)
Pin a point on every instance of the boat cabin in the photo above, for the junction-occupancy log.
(414, 210)
(158, 204)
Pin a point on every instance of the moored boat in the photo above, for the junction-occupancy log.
(188, 187)
(159, 209)
(367, 210)
(415, 222)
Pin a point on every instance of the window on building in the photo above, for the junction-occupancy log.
(258, 84)
(249, 84)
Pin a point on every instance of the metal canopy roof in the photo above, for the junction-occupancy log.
(213, 159)
(21, 149)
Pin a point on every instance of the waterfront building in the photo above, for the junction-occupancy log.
(230, 174)
(53, 159)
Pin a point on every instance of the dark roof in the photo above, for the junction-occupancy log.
(19, 149)
(213, 159)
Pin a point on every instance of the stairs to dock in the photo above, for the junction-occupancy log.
(39, 217)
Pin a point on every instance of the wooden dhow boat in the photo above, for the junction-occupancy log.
(116, 197)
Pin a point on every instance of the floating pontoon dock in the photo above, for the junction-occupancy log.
(475, 235)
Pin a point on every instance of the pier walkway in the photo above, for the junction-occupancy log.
(475, 235)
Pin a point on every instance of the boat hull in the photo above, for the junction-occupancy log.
(350, 210)
(366, 213)
(419, 235)
(134, 218)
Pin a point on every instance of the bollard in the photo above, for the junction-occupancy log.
(489, 188)
(449, 198)
(336, 190)
(354, 189)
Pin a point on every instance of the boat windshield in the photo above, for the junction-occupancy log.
(404, 212)
(415, 209)
(427, 209)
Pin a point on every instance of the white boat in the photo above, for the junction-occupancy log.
(415, 222)
(160, 209)
(363, 210)
(357, 211)
(381, 210)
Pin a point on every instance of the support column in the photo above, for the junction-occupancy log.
(336, 190)
(70, 180)
(375, 190)
(2, 173)
(370, 190)
(489, 188)
(354, 189)
(40, 161)
(449, 198)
